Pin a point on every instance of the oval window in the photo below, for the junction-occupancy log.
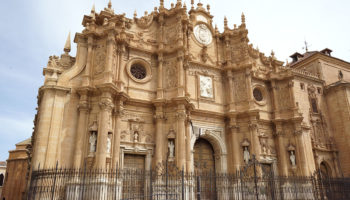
(258, 94)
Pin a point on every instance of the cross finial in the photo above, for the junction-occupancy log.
(306, 46)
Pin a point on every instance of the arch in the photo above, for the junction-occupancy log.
(219, 147)
(325, 169)
(204, 157)
(1, 179)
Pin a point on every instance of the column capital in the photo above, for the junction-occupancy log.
(159, 116)
(234, 127)
(106, 104)
(253, 125)
(278, 133)
(83, 106)
(298, 132)
(181, 114)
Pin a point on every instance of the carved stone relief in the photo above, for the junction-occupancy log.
(206, 86)
(100, 59)
(170, 73)
(284, 96)
(240, 87)
(171, 33)
(203, 34)
(136, 132)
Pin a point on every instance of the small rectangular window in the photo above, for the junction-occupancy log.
(302, 86)
(319, 90)
(314, 105)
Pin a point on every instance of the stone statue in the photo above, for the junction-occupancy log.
(136, 136)
(92, 142)
(171, 149)
(109, 143)
(292, 158)
(246, 155)
(340, 75)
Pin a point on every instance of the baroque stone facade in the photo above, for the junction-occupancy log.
(167, 85)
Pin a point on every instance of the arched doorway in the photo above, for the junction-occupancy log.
(1, 179)
(204, 160)
(204, 165)
(325, 172)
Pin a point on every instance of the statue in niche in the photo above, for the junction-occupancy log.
(136, 136)
(292, 158)
(171, 149)
(340, 75)
(246, 155)
(92, 142)
(109, 143)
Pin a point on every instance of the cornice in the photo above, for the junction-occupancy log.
(337, 84)
(321, 56)
(55, 87)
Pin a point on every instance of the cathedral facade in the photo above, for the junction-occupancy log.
(168, 86)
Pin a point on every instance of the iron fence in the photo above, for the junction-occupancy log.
(169, 183)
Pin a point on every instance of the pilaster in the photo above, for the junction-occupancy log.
(87, 72)
(55, 125)
(232, 106)
(236, 152)
(81, 132)
(106, 107)
(180, 137)
(181, 86)
(108, 77)
(159, 119)
(160, 92)
(282, 157)
(119, 113)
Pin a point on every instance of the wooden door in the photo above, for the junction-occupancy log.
(133, 176)
(204, 162)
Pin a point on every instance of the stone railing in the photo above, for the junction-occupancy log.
(305, 73)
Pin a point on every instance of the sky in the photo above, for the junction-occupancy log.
(33, 30)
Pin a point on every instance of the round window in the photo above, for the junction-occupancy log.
(138, 71)
(258, 94)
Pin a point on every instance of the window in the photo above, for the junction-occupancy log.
(314, 105)
(258, 94)
(319, 90)
(1, 179)
(138, 71)
(302, 86)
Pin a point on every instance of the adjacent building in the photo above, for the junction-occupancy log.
(2, 174)
(17, 172)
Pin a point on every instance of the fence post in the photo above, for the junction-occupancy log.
(198, 187)
(54, 182)
(116, 182)
(166, 179)
(183, 183)
(83, 184)
(150, 185)
(255, 178)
